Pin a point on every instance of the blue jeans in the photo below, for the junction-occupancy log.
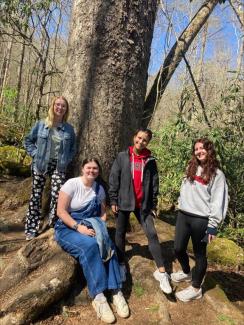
(99, 276)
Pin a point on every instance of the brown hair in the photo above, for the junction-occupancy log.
(209, 166)
(88, 160)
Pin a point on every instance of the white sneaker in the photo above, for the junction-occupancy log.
(122, 308)
(103, 310)
(123, 271)
(163, 278)
(180, 276)
(189, 294)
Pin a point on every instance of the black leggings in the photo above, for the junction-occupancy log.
(195, 227)
(147, 224)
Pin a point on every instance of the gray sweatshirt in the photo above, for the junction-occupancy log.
(205, 200)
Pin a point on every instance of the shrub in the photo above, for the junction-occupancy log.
(172, 148)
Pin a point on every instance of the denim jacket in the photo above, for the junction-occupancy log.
(38, 145)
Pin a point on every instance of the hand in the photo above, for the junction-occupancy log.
(115, 208)
(86, 231)
(210, 238)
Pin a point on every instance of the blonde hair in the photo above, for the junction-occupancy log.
(50, 115)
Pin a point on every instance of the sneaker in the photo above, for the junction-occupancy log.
(30, 236)
(163, 278)
(123, 271)
(180, 276)
(189, 294)
(103, 310)
(122, 308)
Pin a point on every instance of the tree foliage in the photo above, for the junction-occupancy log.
(172, 147)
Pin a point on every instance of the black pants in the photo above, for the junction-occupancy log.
(147, 224)
(195, 227)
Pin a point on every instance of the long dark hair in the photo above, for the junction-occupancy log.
(209, 166)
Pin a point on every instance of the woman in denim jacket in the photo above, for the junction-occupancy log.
(80, 231)
(51, 144)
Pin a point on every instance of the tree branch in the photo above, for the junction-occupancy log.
(197, 91)
(174, 58)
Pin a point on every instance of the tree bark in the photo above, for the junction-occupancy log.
(238, 7)
(40, 274)
(19, 82)
(174, 58)
(106, 76)
(4, 71)
(201, 60)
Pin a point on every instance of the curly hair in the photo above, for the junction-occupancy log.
(209, 166)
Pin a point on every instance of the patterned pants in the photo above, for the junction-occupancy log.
(33, 216)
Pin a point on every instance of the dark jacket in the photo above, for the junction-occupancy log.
(121, 191)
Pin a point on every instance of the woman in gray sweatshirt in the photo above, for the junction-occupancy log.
(202, 207)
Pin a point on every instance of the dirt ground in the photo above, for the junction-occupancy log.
(145, 300)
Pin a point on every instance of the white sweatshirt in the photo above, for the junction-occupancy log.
(210, 200)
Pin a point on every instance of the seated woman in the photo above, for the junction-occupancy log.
(81, 231)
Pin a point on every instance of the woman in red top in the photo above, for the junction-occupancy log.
(133, 187)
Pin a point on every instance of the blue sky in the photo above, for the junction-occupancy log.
(222, 35)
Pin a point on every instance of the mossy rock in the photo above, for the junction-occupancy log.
(14, 161)
(12, 153)
(15, 169)
(224, 251)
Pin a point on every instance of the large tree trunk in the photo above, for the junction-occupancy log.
(174, 58)
(106, 76)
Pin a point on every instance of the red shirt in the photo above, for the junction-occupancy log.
(138, 163)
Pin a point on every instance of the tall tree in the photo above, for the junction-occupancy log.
(19, 82)
(4, 70)
(106, 76)
(105, 83)
(175, 56)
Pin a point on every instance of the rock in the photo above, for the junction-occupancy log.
(225, 252)
(216, 297)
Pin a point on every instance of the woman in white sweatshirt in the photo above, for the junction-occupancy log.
(202, 207)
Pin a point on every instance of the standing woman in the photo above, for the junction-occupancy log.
(51, 144)
(202, 207)
(81, 231)
(133, 187)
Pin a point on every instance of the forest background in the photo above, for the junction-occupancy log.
(204, 96)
